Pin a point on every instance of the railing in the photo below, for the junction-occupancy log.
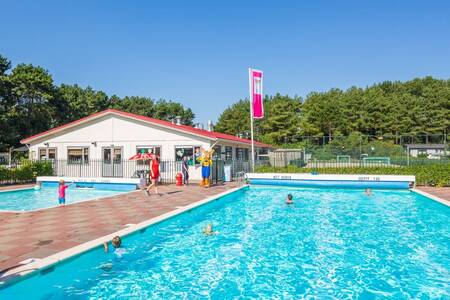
(23, 173)
(130, 169)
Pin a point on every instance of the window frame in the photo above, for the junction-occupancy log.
(47, 150)
(192, 161)
(228, 153)
(83, 161)
(141, 162)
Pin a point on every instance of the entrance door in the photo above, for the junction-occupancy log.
(112, 162)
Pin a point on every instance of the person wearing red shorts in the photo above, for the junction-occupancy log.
(154, 175)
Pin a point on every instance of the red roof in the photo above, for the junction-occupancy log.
(185, 128)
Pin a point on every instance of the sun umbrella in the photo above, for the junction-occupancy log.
(143, 156)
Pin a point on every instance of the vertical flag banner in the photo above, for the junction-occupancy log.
(256, 93)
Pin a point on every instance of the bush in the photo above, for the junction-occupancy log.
(26, 171)
(433, 175)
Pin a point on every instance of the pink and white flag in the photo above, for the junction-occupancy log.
(256, 93)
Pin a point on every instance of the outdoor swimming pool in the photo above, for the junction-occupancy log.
(31, 199)
(332, 243)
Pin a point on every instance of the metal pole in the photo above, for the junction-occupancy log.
(251, 116)
(407, 156)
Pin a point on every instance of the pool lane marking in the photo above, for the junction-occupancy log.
(432, 197)
(29, 269)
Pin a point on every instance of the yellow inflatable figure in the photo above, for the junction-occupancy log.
(206, 162)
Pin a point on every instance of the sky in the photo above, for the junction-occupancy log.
(198, 52)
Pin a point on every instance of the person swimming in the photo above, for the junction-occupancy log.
(368, 192)
(116, 249)
(289, 199)
(208, 230)
(117, 246)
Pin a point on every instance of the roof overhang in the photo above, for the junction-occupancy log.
(211, 136)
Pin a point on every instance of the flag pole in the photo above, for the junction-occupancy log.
(250, 81)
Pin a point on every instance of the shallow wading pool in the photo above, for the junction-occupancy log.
(31, 199)
(332, 243)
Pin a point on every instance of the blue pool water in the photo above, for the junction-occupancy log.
(30, 199)
(331, 244)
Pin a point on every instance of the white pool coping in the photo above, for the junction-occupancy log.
(433, 197)
(49, 261)
(112, 180)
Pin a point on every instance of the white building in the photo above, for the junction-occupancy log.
(427, 150)
(101, 144)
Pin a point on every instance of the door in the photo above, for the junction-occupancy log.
(112, 162)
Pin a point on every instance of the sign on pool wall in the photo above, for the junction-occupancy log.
(333, 180)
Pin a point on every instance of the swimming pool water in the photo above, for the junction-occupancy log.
(331, 244)
(31, 199)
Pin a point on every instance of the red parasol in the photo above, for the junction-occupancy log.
(143, 156)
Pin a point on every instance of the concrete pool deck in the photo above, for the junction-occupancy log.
(38, 234)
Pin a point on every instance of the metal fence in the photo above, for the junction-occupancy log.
(117, 169)
(299, 158)
(399, 139)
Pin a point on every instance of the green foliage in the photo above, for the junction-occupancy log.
(355, 146)
(30, 103)
(281, 122)
(433, 175)
(26, 172)
(390, 109)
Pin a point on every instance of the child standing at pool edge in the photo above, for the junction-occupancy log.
(62, 192)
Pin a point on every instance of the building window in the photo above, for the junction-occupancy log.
(217, 152)
(246, 154)
(239, 153)
(47, 153)
(148, 149)
(189, 151)
(78, 155)
(228, 153)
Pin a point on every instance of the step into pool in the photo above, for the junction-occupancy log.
(31, 199)
(329, 244)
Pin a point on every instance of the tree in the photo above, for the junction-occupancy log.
(30, 103)
(280, 124)
(8, 134)
(79, 102)
(235, 119)
(34, 100)
(168, 110)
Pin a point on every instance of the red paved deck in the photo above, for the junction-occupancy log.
(443, 193)
(42, 233)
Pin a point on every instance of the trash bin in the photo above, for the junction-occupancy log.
(227, 173)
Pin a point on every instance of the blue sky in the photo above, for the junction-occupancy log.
(198, 52)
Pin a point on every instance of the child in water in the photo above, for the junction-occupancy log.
(116, 249)
(208, 230)
(62, 192)
(289, 199)
(117, 243)
(368, 192)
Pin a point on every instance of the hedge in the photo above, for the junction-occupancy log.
(431, 175)
(25, 172)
